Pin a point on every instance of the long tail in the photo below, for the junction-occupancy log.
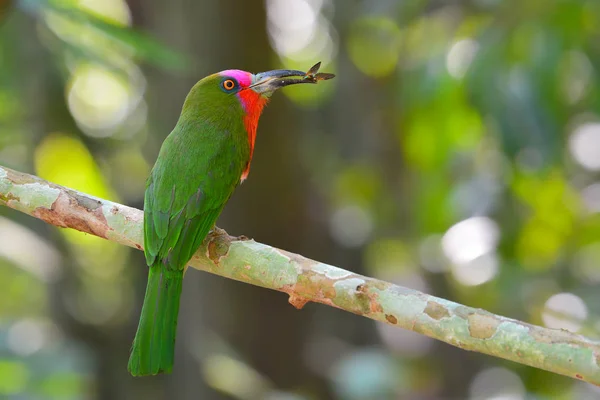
(153, 348)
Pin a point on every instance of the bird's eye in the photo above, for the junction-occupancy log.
(228, 84)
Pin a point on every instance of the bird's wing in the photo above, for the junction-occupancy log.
(185, 194)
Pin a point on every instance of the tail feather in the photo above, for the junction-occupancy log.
(153, 348)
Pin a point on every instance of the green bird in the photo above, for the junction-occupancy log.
(201, 162)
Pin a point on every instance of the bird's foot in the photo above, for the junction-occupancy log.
(216, 231)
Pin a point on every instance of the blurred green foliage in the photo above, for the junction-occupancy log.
(456, 152)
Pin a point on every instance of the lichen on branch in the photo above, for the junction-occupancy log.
(305, 280)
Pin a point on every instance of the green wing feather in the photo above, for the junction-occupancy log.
(185, 193)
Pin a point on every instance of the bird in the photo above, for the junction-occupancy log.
(200, 163)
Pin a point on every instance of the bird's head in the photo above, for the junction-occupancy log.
(223, 97)
(250, 91)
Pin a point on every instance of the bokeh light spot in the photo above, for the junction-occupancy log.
(591, 197)
(298, 31)
(564, 311)
(233, 377)
(13, 377)
(477, 271)
(98, 99)
(469, 239)
(65, 160)
(16, 244)
(584, 144)
(459, 57)
(497, 384)
(351, 226)
(366, 374)
(295, 23)
(27, 336)
(115, 11)
(470, 246)
(374, 45)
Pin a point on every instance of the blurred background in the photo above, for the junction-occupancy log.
(457, 152)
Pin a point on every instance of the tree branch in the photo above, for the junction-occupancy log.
(306, 280)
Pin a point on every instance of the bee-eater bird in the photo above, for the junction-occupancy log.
(200, 163)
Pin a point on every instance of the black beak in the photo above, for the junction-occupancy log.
(268, 82)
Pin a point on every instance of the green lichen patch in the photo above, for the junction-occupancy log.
(330, 271)
(33, 195)
(125, 224)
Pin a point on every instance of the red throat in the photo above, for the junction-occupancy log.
(253, 104)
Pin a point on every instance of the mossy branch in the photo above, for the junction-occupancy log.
(306, 280)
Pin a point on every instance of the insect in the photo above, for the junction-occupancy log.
(314, 75)
(293, 77)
